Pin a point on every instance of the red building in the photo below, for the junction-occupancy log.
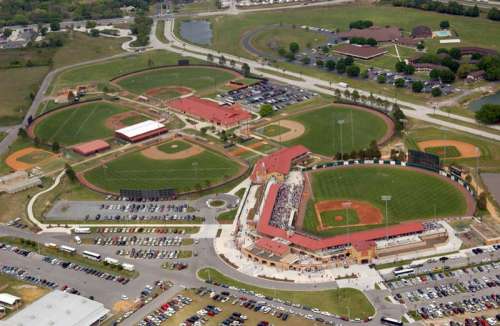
(225, 116)
(141, 131)
(91, 147)
(278, 164)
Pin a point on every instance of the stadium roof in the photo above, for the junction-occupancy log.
(209, 110)
(58, 308)
(360, 51)
(140, 128)
(312, 243)
(279, 161)
(275, 247)
(91, 146)
(380, 34)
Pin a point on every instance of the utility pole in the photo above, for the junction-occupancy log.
(341, 122)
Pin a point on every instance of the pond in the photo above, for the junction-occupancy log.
(490, 99)
(196, 31)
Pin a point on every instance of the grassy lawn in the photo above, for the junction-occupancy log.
(490, 150)
(415, 195)
(198, 78)
(270, 39)
(105, 71)
(79, 124)
(174, 146)
(128, 121)
(338, 301)
(340, 218)
(75, 258)
(279, 74)
(160, 31)
(274, 130)
(197, 6)
(322, 124)
(35, 157)
(444, 151)
(136, 171)
(227, 217)
(16, 85)
(2, 135)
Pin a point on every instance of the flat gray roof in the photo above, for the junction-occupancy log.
(58, 308)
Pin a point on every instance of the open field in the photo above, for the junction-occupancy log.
(274, 130)
(323, 124)
(339, 218)
(444, 151)
(197, 6)
(338, 301)
(174, 146)
(103, 72)
(415, 194)
(197, 78)
(136, 171)
(77, 124)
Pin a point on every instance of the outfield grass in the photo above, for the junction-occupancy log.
(197, 78)
(274, 130)
(128, 121)
(105, 71)
(322, 124)
(136, 171)
(339, 301)
(79, 124)
(174, 146)
(415, 195)
(349, 217)
(444, 151)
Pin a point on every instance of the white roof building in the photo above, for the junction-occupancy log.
(140, 128)
(8, 299)
(59, 308)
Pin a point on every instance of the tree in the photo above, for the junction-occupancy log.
(222, 60)
(232, 63)
(330, 65)
(266, 110)
(246, 70)
(319, 63)
(371, 41)
(400, 66)
(22, 133)
(464, 70)
(306, 60)
(355, 96)
(294, 47)
(290, 56)
(420, 45)
(482, 201)
(381, 79)
(94, 32)
(444, 24)
(494, 14)
(409, 70)
(90, 24)
(282, 52)
(436, 92)
(341, 66)
(325, 49)
(399, 83)
(353, 71)
(55, 26)
(210, 57)
(455, 53)
(70, 173)
(7, 32)
(489, 114)
(56, 147)
(417, 86)
(348, 61)
(364, 74)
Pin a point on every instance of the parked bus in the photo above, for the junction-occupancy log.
(111, 261)
(391, 321)
(91, 255)
(81, 230)
(67, 249)
(128, 267)
(404, 271)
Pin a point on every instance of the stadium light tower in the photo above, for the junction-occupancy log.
(386, 198)
(341, 122)
(347, 205)
(444, 129)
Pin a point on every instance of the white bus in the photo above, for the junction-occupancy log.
(391, 321)
(404, 271)
(91, 255)
(71, 250)
(111, 261)
(128, 267)
(81, 230)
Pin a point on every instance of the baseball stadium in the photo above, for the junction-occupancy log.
(331, 214)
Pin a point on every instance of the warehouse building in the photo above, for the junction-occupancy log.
(140, 131)
(91, 147)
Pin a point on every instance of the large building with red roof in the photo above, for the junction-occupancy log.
(224, 116)
(278, 164)
(91, 147)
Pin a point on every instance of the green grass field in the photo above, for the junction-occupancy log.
(79, 124)
(197, 78)
(128, 121)
(136, 171)
(322, 124)
(339, 301)
(174, 146)
(415, 195)
(274, 130)
(349, 217)
(35, 157)
(444, 151)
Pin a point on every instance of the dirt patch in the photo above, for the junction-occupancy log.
(466, 150)
(155, 153)
(241, 150)
(114, 122)
(30, 293)
(123, 306)
(367, 213)
(297, 129)
(13, 162)
(338, 218)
